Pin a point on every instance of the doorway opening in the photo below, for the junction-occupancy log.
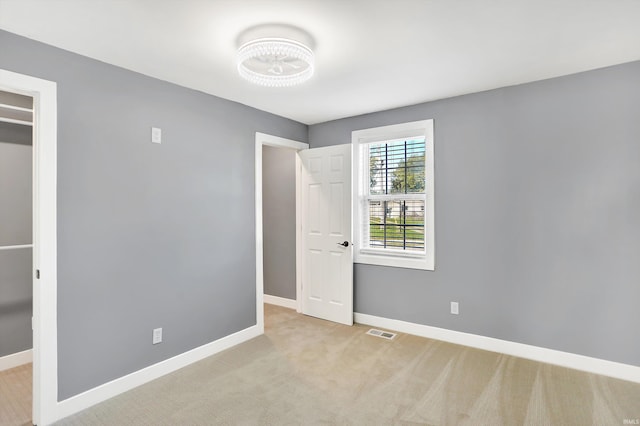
(276, 163)
(16, 244)
(43, 266)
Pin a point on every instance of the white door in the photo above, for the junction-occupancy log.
(327, 253)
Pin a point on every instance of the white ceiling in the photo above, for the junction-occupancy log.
(371, 55)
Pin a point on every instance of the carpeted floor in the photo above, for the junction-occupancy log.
(305, 371)
(15, 396)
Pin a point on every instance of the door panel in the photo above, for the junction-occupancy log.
(314, 215)
(336, 227)
(327, 265)
(315, 275)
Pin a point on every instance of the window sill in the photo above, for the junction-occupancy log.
(396, 260)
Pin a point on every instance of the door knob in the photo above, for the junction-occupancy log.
(345, 244)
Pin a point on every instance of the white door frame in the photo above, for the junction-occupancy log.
(278, 142)
(45, 340)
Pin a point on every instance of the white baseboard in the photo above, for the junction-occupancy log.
(536, 353)
(280, 301)
(15, 360)
(109, 390)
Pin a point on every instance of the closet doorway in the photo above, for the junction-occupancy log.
(277, 219)
(28, 242)
(16, 257)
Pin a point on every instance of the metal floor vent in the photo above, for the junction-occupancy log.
(379, 333)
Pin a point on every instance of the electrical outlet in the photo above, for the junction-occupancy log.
(157, 336)
(156, 135)
(454, 308)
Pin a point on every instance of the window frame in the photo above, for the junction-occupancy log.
(361, 139)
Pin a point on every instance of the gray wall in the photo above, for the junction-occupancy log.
(279, 221)
(537, 215)
(148, 235)
(16, 133)
(16, 290)
(16, 296)
(15, 193)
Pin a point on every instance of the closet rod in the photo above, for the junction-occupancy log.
(16, 247)
(14, 121)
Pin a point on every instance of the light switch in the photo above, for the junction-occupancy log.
(157, 336)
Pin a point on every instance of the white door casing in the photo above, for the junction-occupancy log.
(327, 265)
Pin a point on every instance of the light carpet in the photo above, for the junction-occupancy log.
(305, 371)
(15, 396)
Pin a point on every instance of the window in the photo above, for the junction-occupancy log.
(393, 195)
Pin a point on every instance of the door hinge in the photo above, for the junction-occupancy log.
(37, 274)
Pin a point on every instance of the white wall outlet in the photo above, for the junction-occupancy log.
(156, 135)
(454, 308)
(157, 336)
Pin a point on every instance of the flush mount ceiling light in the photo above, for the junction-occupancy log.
(283, 59)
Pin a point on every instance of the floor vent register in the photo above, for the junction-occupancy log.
(383, 334)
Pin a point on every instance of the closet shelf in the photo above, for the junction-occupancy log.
(15, 114)
(15, 107)
(21, 246)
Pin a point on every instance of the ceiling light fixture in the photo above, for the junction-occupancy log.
(275, 61)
